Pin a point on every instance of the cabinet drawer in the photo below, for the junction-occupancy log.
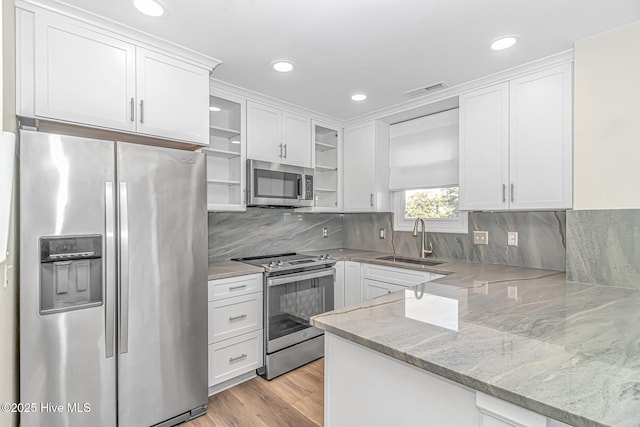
(233, 286)
(399, 276)
(234, 316)
(235, 356)
(373, 288)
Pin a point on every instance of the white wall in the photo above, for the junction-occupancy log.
(607, 120)
(8, 294)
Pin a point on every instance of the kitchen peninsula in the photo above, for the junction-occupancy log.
(457, 349)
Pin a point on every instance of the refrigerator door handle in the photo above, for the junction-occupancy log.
(109, 309)
(124, 270)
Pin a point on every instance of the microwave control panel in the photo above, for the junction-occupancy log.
(308, 184)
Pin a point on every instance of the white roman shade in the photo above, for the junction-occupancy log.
(423, 152)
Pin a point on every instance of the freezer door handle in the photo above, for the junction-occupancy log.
(109, 306)
(124, 270)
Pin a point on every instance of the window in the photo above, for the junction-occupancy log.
(438, 207)
(423, 174)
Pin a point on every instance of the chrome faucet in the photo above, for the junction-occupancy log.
(423, 251)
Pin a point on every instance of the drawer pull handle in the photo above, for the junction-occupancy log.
(233, 359)
(233, 288)
(242, 316)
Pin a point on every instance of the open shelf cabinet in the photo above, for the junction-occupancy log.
(226, 154)
(327, 163)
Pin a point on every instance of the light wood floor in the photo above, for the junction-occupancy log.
(294, 399)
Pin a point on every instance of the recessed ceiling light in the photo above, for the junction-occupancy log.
(149, 7)
(282, 66)
(235, 142)
(503, 43)
(358, 97)
(216, 109)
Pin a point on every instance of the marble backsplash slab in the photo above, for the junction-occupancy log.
(267, 231)
(541, 238)
(260, 231)
(603, 247)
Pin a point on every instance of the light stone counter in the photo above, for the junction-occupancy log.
(567, 350)
(225, 269)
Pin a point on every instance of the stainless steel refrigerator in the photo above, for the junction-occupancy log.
(113, 283)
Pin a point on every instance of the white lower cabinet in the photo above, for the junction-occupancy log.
(235, 330)
(380, 280)
(352, 283)
(373, 288)
(338, 287)
(366, 388)
(236, 356)
(234, 316)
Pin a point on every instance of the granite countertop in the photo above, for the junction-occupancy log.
(225, 269)
(567, 350)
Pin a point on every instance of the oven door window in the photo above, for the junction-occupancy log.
(276, 185)
(292, 304)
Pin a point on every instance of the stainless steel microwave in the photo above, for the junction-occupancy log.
(275, 184)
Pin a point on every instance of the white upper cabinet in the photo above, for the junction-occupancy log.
(296, 139)
(278, 136)
(516, 143)
(366, 171)
(77, 71)
(541, 140)
(82, 76)
(484, 148)
(173, 98)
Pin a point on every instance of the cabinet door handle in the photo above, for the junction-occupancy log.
(280, 150)
(133, 107)
(285, 151)
(233, 288)
(242, 316)
(233, 359)
(504, 193)
(371, 199)
(513, 192)
(141, 111)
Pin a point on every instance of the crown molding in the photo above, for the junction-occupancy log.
(117, 30)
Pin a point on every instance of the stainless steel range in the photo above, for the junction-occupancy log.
(297, 287)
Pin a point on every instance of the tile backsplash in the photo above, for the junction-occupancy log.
(258, 231)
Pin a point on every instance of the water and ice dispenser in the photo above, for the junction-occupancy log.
(70, 273)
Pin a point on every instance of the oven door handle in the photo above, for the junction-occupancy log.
(289, 278)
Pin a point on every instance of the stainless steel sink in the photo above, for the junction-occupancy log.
(420, 261)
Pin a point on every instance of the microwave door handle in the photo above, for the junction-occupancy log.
(300, 187)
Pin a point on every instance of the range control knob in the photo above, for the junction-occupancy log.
(279, 263)
(271, 264)
(321, 257)
(327, 256)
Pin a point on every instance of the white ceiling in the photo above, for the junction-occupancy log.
(379, 47)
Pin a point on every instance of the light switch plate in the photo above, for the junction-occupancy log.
(480, 237)
(325, 232)
(512, 238)
(382, 233)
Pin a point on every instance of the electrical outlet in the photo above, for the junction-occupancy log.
(325, 232)
(480, 237)
(512, 238)
(382, 233)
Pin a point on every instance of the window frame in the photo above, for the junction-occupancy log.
(459, 225)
